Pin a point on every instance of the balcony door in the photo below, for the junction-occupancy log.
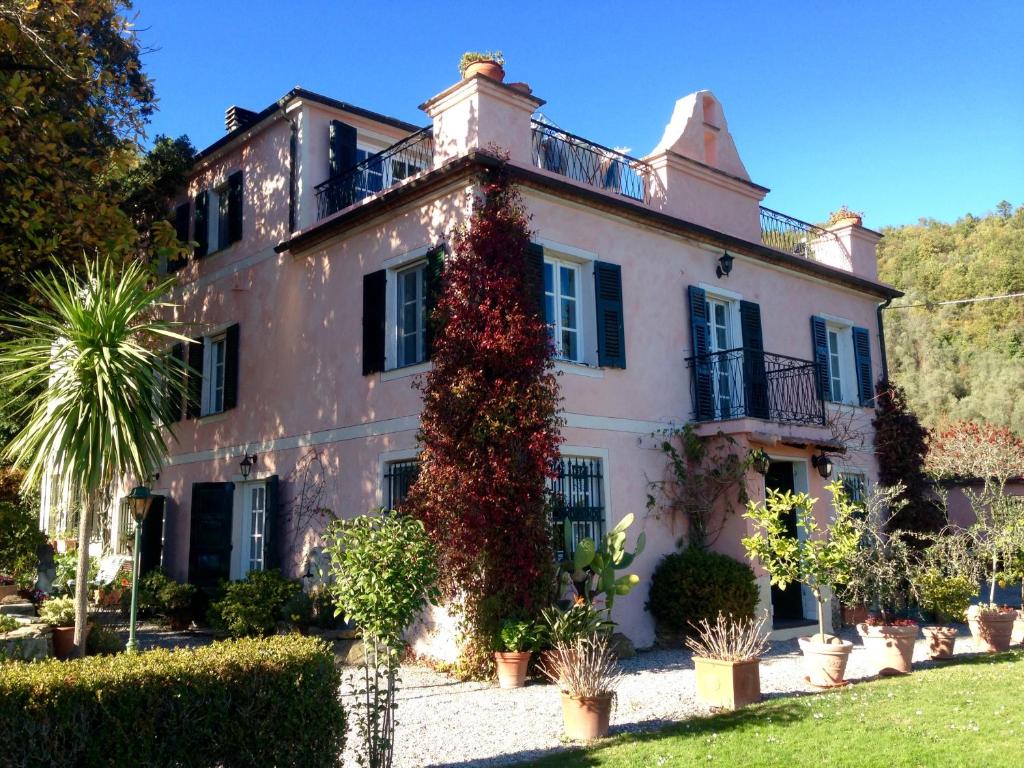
(724, 371)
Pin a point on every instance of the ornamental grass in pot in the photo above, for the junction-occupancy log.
(818, 559)
(727, 661)
(587, 673)
(518, 640)
(563, 627)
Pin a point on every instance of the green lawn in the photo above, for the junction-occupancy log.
(970, 713)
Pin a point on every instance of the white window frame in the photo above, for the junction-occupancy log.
(241, 523)
(843, 331)
(734, 332)
(420, 269)
(582, 310)
(210, 387)
(395, 266)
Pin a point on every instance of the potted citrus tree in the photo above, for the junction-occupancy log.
(488, 63)
(587, 674)
(727, 661)
(59, 613)
(518, 641)
(947, 580)
(819, 559)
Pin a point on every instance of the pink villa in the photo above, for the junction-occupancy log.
(673, 297)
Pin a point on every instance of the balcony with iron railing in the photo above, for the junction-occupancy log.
(800, 238)
(751, 383)
(406, 158)
(590, 163)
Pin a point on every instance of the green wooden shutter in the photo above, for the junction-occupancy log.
(273, 535)
(177, 369)
(201, 224)
(194, 379)
(611, 331)
(210, 524)
(342, 148)
(755, 376)
(702, 385)
(819, 341)
(862, 362)
(374, 308)
(231, 367)
(431, 291)
(182, 214)
(152, 537)
(533, 282)
(234, 207)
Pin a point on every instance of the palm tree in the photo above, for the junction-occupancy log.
(93, 385)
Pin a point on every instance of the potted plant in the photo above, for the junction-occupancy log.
(489, 64)
(518, 639)
(587, 674)
(947, 580)
(727, 658)
(844, 217)
(817, 559)
(176, 601)
(59, 613)
(562, 628)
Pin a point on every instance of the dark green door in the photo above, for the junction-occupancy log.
(209, 556)
(787, 604)
(152, 537)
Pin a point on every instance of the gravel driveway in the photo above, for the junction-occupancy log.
(446, 723)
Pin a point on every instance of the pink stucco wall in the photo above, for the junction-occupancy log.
(301, 386)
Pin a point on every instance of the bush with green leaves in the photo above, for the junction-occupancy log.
(20, 542)
(159, 594)
(253, 606)
(696, 585)
(103, 641)
(268, 702)
(58, 612)
(518, 636)
(8, 623)
(66, 567)
(563, 627)
(384, 570)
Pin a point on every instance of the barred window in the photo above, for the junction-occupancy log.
(577, 495)
(855, 486)
(398, 479)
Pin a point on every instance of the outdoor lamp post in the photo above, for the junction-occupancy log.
(139, 500)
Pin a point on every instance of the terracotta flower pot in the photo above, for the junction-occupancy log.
(825, 663)
(992, 631)
(941, 641)
(512, 668)
(586, 718)
(727, 684)
(64, 641)
(1017, 637)
(890, 647)
(7, 590)
(491, 69)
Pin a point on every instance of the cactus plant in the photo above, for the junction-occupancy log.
(593, 568)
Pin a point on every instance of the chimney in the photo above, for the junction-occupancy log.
(237, 117)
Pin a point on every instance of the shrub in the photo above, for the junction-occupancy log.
(19, 546)
(694, 585)
(8, 623)
(159, 594)
(58, 612)
(103, 641)
(254, 605)
(267, 702)
(66, 566)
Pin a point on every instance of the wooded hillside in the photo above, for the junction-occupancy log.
(963, 361)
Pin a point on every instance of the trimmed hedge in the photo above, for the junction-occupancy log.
(236, 704)
(695, 584)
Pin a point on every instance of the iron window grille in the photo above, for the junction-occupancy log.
(577, 495)
(398, 479)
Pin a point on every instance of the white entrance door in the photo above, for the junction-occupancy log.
(254, 518)
(723, 375)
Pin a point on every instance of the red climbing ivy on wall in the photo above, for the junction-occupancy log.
(490, 427)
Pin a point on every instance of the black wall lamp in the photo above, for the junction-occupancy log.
(823, 464)
(724, 265)
(246, 465)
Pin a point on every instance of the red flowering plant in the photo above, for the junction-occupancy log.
(964, 452)
(490, 429)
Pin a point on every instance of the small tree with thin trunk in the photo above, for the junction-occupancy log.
(490, 427)
(94, 386)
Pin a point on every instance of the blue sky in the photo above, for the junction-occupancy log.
(900, 110)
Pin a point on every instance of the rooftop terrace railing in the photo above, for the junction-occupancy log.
(800, 238)
(376, 173)
(581, 160)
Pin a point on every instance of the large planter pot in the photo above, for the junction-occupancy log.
(1017, 637)
(853, 615)
(587, 718)
(941, 641)
(64, 641)
(992, 631)
(7, 590)
(491, 69)
(825, 663)
(512, 668)
(727, 684)
(890, 647)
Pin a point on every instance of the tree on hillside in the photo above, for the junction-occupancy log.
(93, 385)
(964, 361)
(489, 431)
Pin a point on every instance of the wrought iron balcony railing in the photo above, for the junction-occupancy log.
(376, 173)
(746, 382)
(580, 160)
(799, 238)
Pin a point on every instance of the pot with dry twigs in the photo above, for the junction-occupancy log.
(727, 661)
(587, 672)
